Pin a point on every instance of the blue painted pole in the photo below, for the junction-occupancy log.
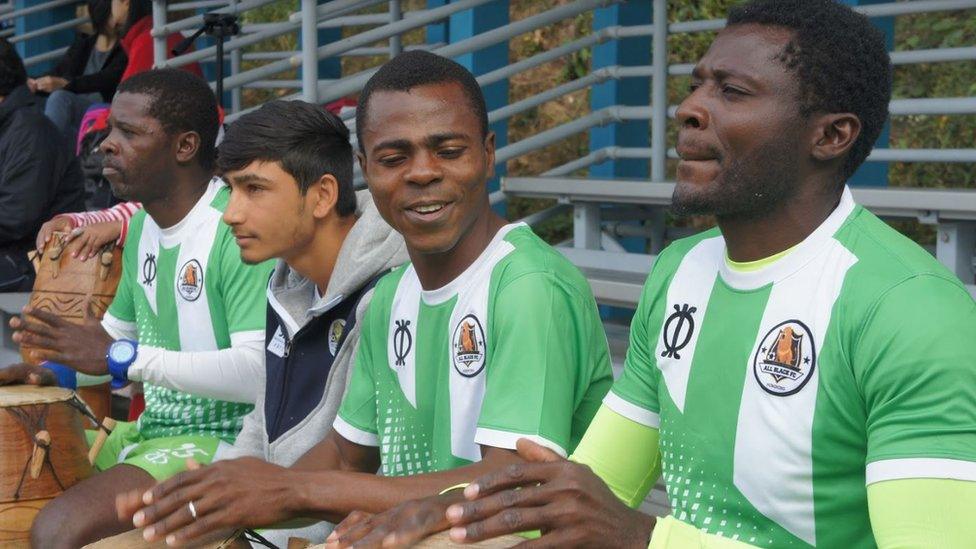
(47, 42)
(476, 21)
(875, 174)
(437, 32)
(633, 91)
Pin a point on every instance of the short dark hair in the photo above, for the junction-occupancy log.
(306, 140)
(182, 102)
(418, 68)
(857, 81)
(99, 11)
(137, 10)
(12, 72)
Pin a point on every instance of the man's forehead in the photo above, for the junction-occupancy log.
(422, 113)
(130, 106)
(748, 47)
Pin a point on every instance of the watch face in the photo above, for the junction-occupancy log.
(121, 352)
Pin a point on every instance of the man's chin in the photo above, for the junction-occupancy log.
(692, 198)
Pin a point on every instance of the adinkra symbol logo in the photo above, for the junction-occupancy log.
(149, 269)
(678, 329)
(402, 341)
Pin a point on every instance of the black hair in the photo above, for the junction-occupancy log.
(182, 102)
(99, 11)
(306, 140)
(137, 10)
(840, 59)
(417, 68)
(12, 72)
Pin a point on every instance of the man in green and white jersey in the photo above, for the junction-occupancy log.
(190, 312)
(488, 335)
(803, 374)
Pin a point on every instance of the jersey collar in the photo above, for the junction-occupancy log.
(799, 256)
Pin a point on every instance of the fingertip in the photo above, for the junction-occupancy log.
(454, 513)
(390, 540)
(171, 540)
(147, 498)
(458, 534)
(139, 519)
(471, 491)
(148, 533)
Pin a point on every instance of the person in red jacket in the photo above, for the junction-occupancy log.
(133, 19)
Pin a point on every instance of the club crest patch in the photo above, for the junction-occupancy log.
(785, 358)
(336, 329)
(189, 282)
(468, 347)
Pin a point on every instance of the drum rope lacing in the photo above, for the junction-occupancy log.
(32, 420)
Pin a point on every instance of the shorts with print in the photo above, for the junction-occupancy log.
(161, 457)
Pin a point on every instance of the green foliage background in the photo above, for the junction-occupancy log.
(913, 32)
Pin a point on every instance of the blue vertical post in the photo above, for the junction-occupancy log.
(47, 42)
(466, 24)
(876, 173)
(437, 32)
(632, 92)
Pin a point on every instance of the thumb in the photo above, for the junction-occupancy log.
(192, 465)
(533, 452)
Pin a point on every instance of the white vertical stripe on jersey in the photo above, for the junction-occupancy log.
(773, 463)
(146, 267)
(197, 240)
(468, 393)
(405, 308)
(691, 286)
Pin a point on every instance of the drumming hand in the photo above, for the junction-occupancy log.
(80, 346)
(246, 492)
(566, 501)
(87, 241)
(26, 373)
(58, 223)
(401, 526)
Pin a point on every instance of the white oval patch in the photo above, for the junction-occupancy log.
(785, 358)
(189, 282)
(336, 329)
(468, 346)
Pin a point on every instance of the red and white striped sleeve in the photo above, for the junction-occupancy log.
(121, 212)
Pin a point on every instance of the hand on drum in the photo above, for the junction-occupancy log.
(401, 526)
(236, 493)
(26, 374)
(87, 241)
(566, 501)
(80, 346)
(56, 224)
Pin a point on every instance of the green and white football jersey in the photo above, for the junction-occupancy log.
(781, 393)
(185, 288)
(513, 347)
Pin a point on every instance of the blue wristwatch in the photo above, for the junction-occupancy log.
(121, 354)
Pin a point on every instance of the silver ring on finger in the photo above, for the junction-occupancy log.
(193, 510)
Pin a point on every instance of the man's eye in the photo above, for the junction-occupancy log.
(732, 90)
(453, 152)
(391, 160)
(693, 86)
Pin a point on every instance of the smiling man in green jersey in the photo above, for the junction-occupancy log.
(486, 336)
(185, 301)
(803, 374)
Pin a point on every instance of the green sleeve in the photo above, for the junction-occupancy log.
(920, 512)
(915, 368)
(631, 474)
(122, 306)
(546, 351)
(635, 394)
(356, 420)
(244, 288)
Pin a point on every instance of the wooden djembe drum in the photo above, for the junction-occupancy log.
(442, 541)
(133, 540)
(42, 452)
(69, 288)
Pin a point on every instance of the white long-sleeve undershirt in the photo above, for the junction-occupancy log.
(235, 374)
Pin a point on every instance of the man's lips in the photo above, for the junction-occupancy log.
(428, 210)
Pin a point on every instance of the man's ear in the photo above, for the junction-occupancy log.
(361, 158)
(187, 146)
(324, 194)
(490, 153)
(834, 135)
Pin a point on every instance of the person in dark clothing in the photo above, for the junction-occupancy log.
(88, 73)
(39, 176)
